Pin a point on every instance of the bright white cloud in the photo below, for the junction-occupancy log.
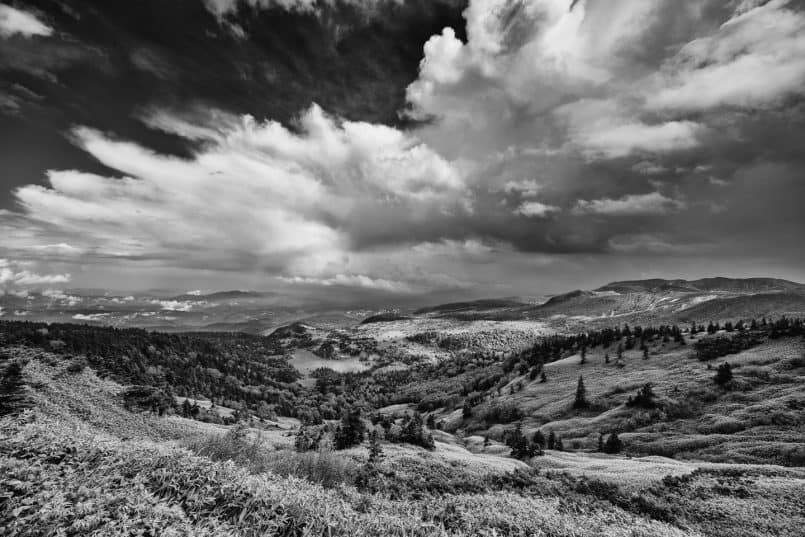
(652, 203)
(90, 316)
(754, 59)
(352, 280)
(535, 209)
(174, 305)
(12, 274)
(621, 140)
(258, 197)
(14, 21)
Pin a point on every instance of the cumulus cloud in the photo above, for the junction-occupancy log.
(257, 197)
(755, 58)
(11, 274)
(535, 208)
(555, 127)
(653, 203)
(600, 132)
(174, 305)
(17, 22)
(351, 280)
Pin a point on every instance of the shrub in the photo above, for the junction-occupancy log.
(723, 374)
(76, 366)
(613, 444)
(322, 466)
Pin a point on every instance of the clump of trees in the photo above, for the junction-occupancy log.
(147, 398)
(554, 442)
(644, 398)
(718, 346)
(413, 431)
(522, 447)
(502, 413)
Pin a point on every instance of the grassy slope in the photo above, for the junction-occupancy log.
(760, 421)
(79, 462)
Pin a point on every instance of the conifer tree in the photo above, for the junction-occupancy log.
(539, 439)
(613, 444)
(581, 395)
(350, 431)
(723, 374)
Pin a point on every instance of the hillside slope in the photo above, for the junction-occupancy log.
(78, 461)
(645, 302)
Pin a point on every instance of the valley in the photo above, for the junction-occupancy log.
(463, 419)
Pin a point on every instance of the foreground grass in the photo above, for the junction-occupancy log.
(57, 477)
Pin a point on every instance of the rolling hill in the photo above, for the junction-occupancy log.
(645, 302)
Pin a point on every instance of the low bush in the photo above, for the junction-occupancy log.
(76, 366)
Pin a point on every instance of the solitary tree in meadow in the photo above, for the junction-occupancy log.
(581, 395)
(613, 444)
(723, 374)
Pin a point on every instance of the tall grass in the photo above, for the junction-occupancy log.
(323, 467)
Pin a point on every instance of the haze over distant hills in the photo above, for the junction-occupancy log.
(633, 301)
(642, 301)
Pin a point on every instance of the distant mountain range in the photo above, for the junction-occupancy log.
(635, 302)
(643, 301)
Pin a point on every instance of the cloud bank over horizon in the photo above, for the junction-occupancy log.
(545, 144)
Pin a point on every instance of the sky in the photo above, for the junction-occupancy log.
(403, 149)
